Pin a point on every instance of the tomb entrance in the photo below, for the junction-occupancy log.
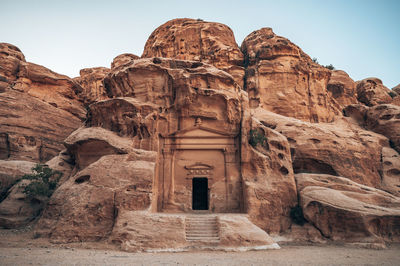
(199, 169)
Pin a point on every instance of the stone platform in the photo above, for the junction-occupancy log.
(160, 232)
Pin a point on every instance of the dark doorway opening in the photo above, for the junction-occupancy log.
(200, 193)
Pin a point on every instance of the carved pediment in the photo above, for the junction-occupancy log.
(200, 131)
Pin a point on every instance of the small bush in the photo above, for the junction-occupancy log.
(257, 137)
(296, 213)
(315, 60)
(330, 67)
(44, 181)
(392, 94)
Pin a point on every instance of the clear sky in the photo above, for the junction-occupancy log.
(361, 37)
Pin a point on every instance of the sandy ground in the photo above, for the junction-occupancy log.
(19, 248)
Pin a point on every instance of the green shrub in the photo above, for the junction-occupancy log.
(257, 137)
(44, 181)
(330, 67)
(392, 94)
(296, 213)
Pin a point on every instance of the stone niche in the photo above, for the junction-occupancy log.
(199, 170)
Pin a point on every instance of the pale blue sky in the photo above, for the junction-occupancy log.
(361, 37)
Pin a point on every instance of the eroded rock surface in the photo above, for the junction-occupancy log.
(155, 124)
(10, 172)
(39, 108)
(190, 39)
(141, 121)
(91, 80)
(182, 90)
(342, 88)
(371, 92)
(31, 129)
(86, 206)
(344, 210)
(18, 209)
(281, 78)
(339, 148)
(385, 119)
(267, 173)
(123, 59)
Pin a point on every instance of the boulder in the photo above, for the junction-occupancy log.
(342, 88)
(371, 91)
(345, 210)
(63, 163)
(91, 81)
(123, 59)
(31, 129)
(198, 40)
(385, 119)
(281, 78)
(144, 231)
(18, 209)
(356, 112)
(86, 206)
(267, 174)
(341, 148)
(11, 172)
(87, 145)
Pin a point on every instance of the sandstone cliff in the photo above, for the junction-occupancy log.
(39, 108)
(281, 78)
(280, 139)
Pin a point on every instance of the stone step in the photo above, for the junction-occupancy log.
(213, 220)
(190, 227)
(205, 239)
(201, 235)
(201, 223)
(202, 229)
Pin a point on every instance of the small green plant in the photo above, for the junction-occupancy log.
(296, 213)
(257, 137)
(392, 94)
(44, 181)
(330, 67)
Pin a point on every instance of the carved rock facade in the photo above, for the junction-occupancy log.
(249, 136)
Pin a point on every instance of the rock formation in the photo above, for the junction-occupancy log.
(262, 138)
(123, 59)
(281, 78)
(10, 172)
(342, 88)
(197, 40)
(343, 210)
(39, 108)
(91, 80)
(371, 92)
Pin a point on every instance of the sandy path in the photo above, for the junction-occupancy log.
(289, 255)
(18, 248)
